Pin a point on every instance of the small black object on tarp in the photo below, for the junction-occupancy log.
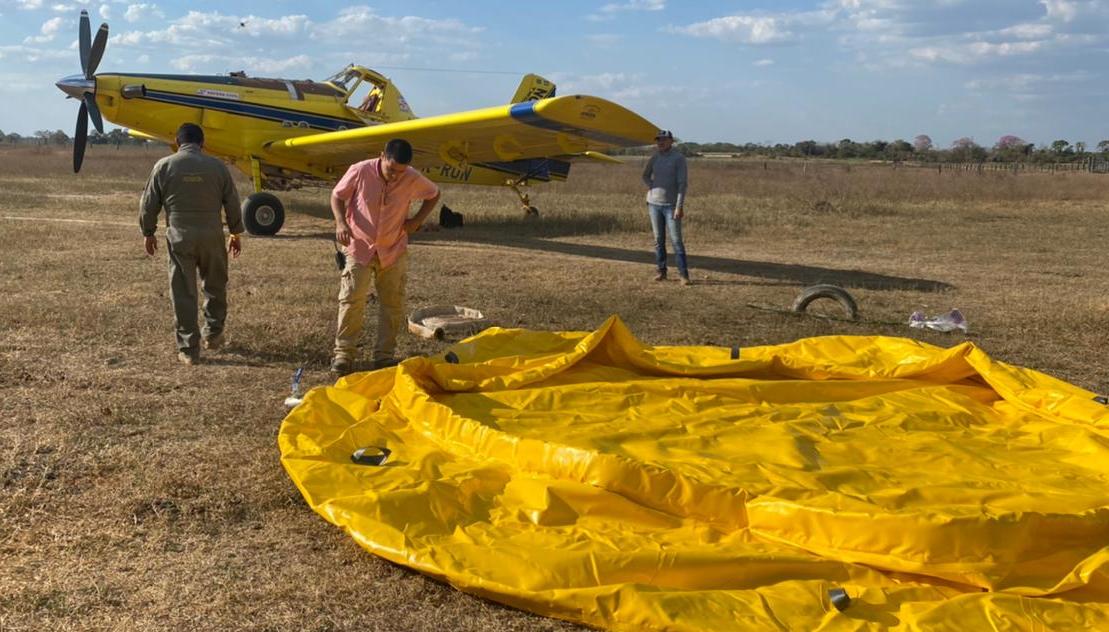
(451, 357)
(735, 353)
(1101, 399)
(372, 455)
(839, 598)
(449, 219)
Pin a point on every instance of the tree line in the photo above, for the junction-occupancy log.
(1008, 148)
(58, 137)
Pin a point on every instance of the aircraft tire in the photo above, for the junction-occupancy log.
(834, 292)
(263, 213)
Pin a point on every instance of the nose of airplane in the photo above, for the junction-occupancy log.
(76, 86)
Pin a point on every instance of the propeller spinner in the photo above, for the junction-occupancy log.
(83, 86)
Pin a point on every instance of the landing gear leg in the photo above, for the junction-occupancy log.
(529, 210)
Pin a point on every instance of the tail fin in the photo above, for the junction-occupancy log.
(532, 88)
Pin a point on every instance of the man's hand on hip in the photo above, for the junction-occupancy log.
(150, 244)
(412, 225)
(679, 213)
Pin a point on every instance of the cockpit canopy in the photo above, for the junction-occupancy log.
(370, 94)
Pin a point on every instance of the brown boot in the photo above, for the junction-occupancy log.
(213, 343)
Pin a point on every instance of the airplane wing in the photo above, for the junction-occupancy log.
(574, 125)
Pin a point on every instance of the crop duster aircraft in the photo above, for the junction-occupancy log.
(286, 133)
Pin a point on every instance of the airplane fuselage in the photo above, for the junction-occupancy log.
(242, 115)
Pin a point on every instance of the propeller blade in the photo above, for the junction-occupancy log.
(80, 137)
(84, 37)
(97, 51)
(94, 112)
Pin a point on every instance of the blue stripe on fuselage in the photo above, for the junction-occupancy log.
(254, 110)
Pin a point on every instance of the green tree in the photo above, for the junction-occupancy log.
(899, 150)
(966, 150)
(1061, 147)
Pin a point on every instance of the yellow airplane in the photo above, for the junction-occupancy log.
(286, 134)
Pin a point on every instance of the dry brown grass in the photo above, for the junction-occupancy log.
(140, 494)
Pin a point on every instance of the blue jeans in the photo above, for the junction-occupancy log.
(662, 220)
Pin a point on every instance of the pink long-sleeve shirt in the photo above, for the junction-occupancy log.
(377, 210)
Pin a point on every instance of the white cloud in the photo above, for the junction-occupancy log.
(974, 52)
(764, 62)
(33, 54)
(618, 86)
(357, 21)
(105, 12)
(207, 30)
(1027, 31)
(1026, 82)
(218, 63)
(29, 5)
(609, 11)
(138, 12)
(49, 30)
(900, 33)
(745, 29)
(757, 29)
(1065, 10)
(63, 8)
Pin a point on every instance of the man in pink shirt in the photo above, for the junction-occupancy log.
(370, 205)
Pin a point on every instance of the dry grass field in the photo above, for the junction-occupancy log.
(141, 494)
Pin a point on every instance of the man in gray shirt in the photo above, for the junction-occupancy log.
(192, 187)
(665, 177)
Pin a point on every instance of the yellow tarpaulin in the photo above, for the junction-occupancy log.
(589, 477)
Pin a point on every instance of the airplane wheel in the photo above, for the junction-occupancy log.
(531, 211)
(263, 214)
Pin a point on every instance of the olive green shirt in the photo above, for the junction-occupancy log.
(192, 187)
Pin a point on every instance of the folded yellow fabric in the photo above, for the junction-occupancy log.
(586, 476)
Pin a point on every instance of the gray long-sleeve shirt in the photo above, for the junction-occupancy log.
(665, 177)
(192, 187)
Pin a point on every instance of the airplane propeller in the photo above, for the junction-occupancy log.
(83, 86)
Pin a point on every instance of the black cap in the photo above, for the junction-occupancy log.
(664, 134)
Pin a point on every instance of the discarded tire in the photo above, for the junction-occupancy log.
(836, 293)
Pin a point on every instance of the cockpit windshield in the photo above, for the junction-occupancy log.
(346, 79)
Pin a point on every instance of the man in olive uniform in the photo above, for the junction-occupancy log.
(192, 187)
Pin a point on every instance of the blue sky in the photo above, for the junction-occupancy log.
(751, 71)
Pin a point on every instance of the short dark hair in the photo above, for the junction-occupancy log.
(190, 133)
(399, 150)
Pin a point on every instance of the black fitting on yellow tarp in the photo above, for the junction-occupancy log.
(372, 455)
(839, 598)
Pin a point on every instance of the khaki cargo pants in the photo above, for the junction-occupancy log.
(354, 287)
(191, 252)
